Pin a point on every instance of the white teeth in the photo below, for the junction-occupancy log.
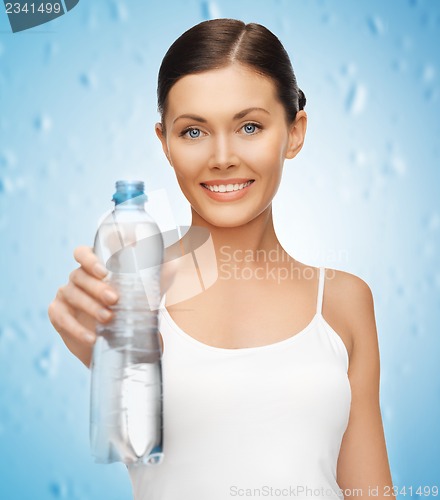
(223, 188)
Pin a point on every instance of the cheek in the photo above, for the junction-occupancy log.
(188, 158)
(266, 156)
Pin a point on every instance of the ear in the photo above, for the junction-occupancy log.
(297, 134)
(159, 132)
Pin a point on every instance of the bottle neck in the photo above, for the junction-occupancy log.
(130, 205)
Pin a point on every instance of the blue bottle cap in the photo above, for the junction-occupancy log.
(129, 189)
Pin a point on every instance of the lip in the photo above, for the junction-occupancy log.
(228, 195)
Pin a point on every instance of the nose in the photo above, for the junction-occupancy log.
(223, 153)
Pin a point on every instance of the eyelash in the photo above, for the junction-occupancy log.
(188, 129)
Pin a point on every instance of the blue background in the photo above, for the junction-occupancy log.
(77, 112)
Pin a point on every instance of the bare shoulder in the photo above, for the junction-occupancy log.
(348, 307)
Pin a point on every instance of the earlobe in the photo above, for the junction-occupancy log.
(294, 146)
(297, 135)
(290, 154)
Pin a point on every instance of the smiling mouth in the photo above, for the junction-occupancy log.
(227, 188)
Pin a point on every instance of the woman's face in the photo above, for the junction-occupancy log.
(226, 129)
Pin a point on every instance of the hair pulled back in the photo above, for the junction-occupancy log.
(217, 43)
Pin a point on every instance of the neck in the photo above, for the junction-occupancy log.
(248, 244)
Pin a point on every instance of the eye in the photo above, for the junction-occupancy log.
(251, 128)
(191, 133)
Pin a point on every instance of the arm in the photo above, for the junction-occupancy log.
(363, 459)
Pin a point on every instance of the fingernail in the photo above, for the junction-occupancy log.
(104, 314)
(110, 296)
(100, 270)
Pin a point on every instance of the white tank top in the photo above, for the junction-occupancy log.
(263, 421)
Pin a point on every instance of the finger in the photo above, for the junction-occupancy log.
(98, 289)
(81, 301)
(85, 256)
(67, 326)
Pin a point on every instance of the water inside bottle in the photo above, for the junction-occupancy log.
(126, 379)
(129, 422)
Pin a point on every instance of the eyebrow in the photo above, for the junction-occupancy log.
(237, 116)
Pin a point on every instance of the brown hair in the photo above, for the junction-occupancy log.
(216, 43)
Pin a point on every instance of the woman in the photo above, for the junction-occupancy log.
(271, 379)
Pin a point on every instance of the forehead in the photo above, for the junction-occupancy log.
(227, 89)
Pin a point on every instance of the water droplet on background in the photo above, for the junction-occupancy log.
(49, 169)
(7, 333)
(47, 362)
(58, 489)
(43, 123)
(393, 164)
(376, 25)
(88, 80)
(428, 73)
(432, 94)
(356, 99)
(427, 20)
(50, 51)
(119, 11)
(358, 158)
(209, 10)
(414, 330)
(400, 65)
(139, 56)
(91, 17)
(21, 330)
(8, 160)
(349, 69)
(11, 185)
(329, 18)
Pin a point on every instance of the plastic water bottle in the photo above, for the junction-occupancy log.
(126, 377)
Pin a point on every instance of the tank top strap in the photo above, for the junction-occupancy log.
(320, 290)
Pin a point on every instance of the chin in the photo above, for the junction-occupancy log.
(228, 217)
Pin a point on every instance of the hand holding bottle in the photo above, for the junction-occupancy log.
(85, 300)
(81, 303)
